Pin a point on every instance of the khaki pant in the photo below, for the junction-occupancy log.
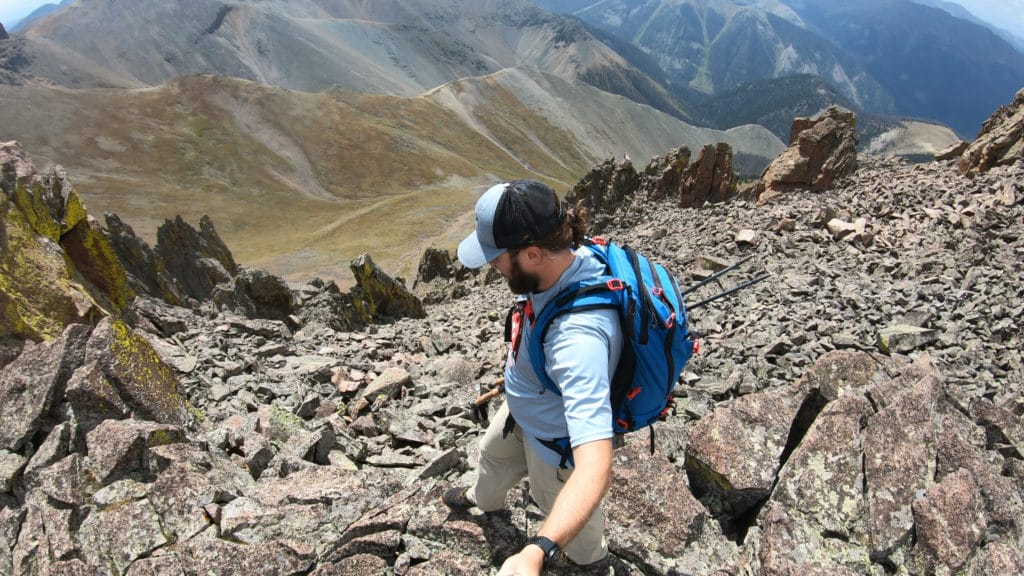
(505, 461)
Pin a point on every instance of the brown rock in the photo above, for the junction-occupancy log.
(821, 150)
(650, 502)
(737, 449)
(949, 522)
(1000, 141)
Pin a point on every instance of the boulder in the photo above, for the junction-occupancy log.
(386, 297)
(148, 386)
(1000, 141)
(821, 150)
(33, 385)
(118, 448)
(255, 293)
(736, 452)
(650, 506)
(40, 289)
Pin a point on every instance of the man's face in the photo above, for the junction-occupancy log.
(519, 281)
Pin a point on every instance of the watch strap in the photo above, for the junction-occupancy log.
(548, 545)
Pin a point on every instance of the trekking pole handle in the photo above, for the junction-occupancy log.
(496, 387)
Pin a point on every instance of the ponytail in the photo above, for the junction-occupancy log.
(571, 232)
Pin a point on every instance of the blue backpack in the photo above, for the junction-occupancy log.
(656, 339)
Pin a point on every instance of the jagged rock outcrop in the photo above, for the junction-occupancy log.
(199, 260)
(386, 297)
(607, 186)
(434, 264)
(3, 32)
(821, 150)
(612, 184)
(146, 270)
(1000, 141)
(710, 178)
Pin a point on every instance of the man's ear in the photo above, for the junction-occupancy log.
(535, 254)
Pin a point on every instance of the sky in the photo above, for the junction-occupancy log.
(1007, 14)
(13, 10)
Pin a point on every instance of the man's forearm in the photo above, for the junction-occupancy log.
(582, 493)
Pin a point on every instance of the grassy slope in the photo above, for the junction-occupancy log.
(295, 182)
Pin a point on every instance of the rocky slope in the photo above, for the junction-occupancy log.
(859, 412)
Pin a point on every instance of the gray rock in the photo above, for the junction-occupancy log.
(118, 536)
(31, 385)
(119, 447)
(11, 466)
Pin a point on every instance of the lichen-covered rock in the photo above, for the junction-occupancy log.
(900, 443)
(387, 298)
(736, 450)
(148, 386)
(57, 266)
(118, 536)
(38, 297)
(824, 478)
(49, 202)
(94, 257)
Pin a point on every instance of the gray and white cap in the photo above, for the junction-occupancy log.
(511, 215)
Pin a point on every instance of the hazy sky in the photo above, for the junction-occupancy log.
(13, 10)
(1007, 14)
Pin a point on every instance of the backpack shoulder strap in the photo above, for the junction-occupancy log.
(596, 293)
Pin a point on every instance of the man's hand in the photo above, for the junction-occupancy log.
(528, 562)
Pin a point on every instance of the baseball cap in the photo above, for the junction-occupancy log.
(510, 215)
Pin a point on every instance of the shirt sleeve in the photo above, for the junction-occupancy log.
(582, 353)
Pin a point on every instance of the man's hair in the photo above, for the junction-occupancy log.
(570, 232)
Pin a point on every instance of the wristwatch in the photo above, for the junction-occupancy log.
(546, 544)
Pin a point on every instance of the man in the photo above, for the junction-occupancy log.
(525, 232)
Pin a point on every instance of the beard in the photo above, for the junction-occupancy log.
(520, 282)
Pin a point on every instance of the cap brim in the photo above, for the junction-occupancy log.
(474, 254)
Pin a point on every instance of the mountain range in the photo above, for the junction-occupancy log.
(314, 121)
(884, 56)
(314, 125)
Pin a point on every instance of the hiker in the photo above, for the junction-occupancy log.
(534, 241)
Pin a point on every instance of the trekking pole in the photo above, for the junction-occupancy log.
(728, 292)
(716, 275)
